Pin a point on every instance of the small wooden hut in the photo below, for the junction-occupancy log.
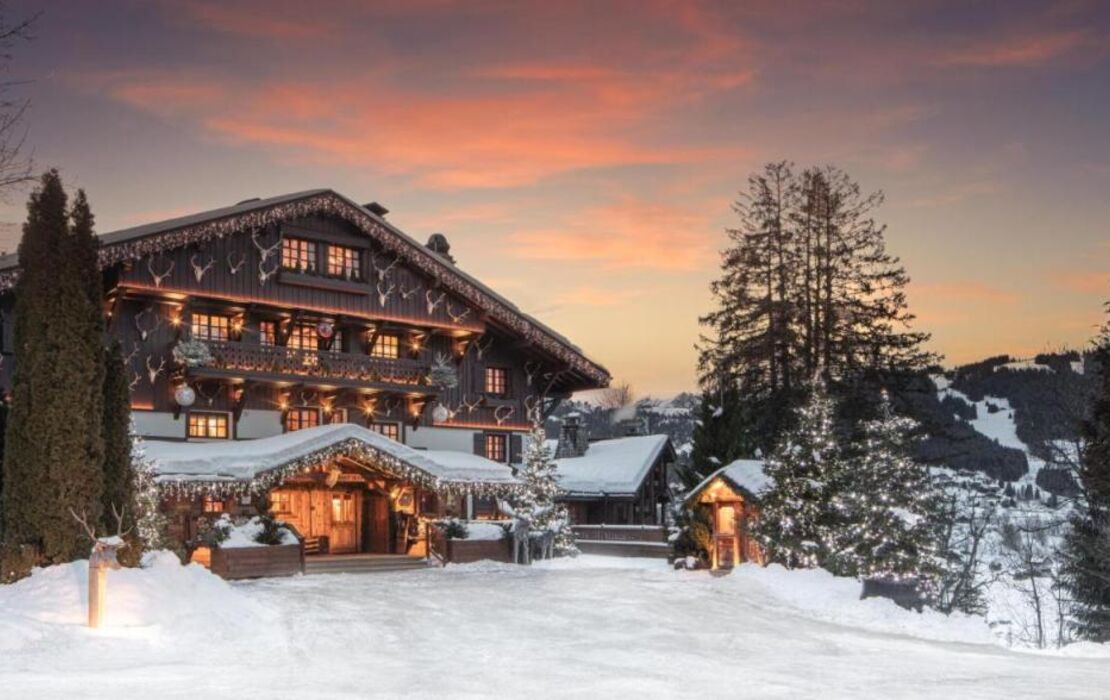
(731, 494)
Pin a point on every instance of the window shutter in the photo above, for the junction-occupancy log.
(480, 444)
(516, 448)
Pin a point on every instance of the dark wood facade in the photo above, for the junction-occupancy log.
(263, 283)
(644, 507)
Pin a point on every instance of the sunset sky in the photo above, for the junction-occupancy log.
(582, 156)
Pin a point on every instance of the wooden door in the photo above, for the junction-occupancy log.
(320, 515)
(343, 534)
(378, 523)
(725, 536)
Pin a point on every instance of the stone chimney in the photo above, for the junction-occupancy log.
(573, 439)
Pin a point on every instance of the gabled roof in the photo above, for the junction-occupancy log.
(612, 467)
(244, 465)
(139, 241)
(744, 475)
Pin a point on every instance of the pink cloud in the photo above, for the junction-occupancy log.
(1019, 51)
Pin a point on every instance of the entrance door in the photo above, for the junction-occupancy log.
(343, 528)
(725, 536)
(377, 520)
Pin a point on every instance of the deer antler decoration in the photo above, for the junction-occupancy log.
(383, 294)
(142, 326)
(265, 251)
(531, 368)
(198, 270)
(264, 274)
(159, 277)
(457, 318)
(470, 406)
(235, 262)
(153, 372)
(480, 348)
(433, 301)
(503, 413)
(406, 293)
(382, 271)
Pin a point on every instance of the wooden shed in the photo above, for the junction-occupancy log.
(731, 494)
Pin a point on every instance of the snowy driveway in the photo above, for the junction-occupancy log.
(574, 629)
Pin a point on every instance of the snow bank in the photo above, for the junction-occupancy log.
(50, 607)
(817, 594)
(244, 535)
(485, 530)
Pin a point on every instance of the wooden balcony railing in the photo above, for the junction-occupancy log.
(277, 360)
(621, 533)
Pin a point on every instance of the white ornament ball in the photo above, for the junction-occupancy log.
(440, 414)
(325, 329)
(184, 395)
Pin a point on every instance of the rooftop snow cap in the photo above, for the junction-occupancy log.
(573, 440)
(376, 208)
(437, 243)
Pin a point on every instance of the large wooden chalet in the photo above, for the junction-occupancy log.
(364, 364)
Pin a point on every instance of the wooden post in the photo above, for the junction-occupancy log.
(98, 588)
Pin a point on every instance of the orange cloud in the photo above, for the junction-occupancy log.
(963, 291)
(1082, 282)
(631, 233)
(1020, 51)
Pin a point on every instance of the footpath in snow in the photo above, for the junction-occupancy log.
(591, 627)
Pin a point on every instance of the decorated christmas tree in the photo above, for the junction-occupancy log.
(795, 525)
(150, 523)
(883, 507)
(541, 486)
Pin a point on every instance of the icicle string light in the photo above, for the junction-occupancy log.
(187, 485)
(331, 204)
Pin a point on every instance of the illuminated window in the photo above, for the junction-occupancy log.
(281, 502)
(303, 337)
(390, 430)
(342, 508)
(213, 505)
(344, 262)
(386, 345)
(267, 332)
(336, 415)
(298, 254)
(208, 425)
(495, 447)
(210, 327)
(497, 381)
(301, 418)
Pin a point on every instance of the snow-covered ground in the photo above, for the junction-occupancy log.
(591, 627)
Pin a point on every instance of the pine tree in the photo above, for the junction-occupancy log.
(541, 486)
(719, 436)
(53, 458)
(795, 525)
(1087, 546)
(116, 432)
(884, 505)
(150, 522)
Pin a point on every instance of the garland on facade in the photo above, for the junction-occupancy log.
(329, 203)
(193, 487)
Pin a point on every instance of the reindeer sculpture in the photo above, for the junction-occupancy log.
(521, 531)
(102, 557)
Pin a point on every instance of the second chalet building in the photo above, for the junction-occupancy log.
(378, 382)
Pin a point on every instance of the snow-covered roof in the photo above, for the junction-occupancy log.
(246, 460)
(616, 466)
(744, 474)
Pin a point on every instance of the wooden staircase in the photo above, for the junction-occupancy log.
(361, 563)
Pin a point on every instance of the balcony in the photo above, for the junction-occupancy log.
(275, 363)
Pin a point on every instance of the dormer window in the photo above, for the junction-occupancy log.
(345, 263)
(298, 254)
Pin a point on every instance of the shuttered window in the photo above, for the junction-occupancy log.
(301, 418)
(298, 254)
(344, 262)
(496, 447)
(208, 425)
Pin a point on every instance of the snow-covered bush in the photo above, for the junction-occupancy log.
(453, 529)
(192, 353)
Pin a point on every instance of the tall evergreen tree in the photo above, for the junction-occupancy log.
(884, 505)
(807, 284)
(116, 433)
(1087, 545)
(54, 458)
(795, 525)
(719, 436)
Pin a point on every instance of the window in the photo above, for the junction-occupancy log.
(267, 332)
(281, 502)
(485, 508)
(210, 327)
(303, 337)
(213, 505)
(342, 508)
(301, 418)
(335, 415)
(298, 254)
(386, 345)
(208, 425)
(344, 262)
(495, 447)
(497, 381)
(390, 430)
